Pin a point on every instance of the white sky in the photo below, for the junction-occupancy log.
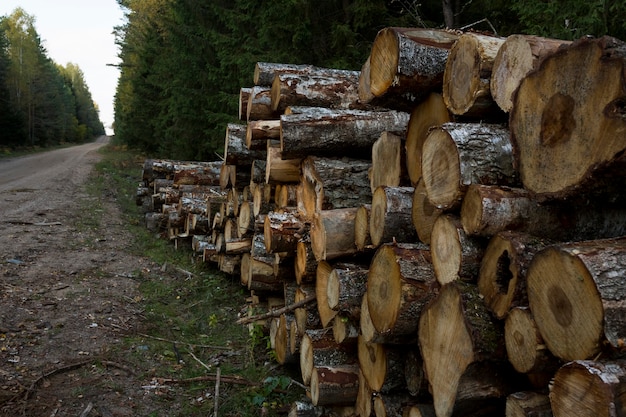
(79, 31)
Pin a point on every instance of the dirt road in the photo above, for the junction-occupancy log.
(67, 291)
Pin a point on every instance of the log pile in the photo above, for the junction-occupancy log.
(439, 234)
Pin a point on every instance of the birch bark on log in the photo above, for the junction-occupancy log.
(199, 175)
(390, 214)
(401, 281)
(456, 155)
(502, 276)
(589, 388)
(467, 75)
(408, 63)
(427, 114)
(528, 404)
(388, 167)
(576, 292)
(326, 132)
(258, 132)
(567, 123)
(518, 55)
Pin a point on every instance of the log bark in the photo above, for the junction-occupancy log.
(388, 167)
(332, 234)
(335, 89)
(589, 388)
(416, 381)
(382, 365)
(467, 75)
(391, 213)
(429, 113)
(455, 255)
(200, 174)
(338, 385)
(318, 348)
(456, 155)
(392, 404)
(456, 331)
(321, 283)
(333, 183)
(567, 123)
(400, 283)
(285, 196)
(419, 410)
(235, 150)
(282, 231)
(424, 214)
(518, 55)
(502, 277)
(260, 104)
(575, 292)
(326, 132)
(525, 347)
(264, 72)
(345, 288)
(258, 132)
(279, 170)
(306, 316)
(406, 64)
(528, 404)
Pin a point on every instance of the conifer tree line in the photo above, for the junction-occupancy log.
(41, 103)
(183, 62)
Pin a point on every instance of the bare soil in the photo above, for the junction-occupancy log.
(68, 293)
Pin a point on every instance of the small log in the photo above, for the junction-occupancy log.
(528, 404)
(261, 202)
(238, 246)
(424, 214)
(345, 288)
(306, 316)
(345, 328)
(305, 264)
(258, 132)
(401, 281)
(337, 132)
(235, 150)
(390, 214)
(525, 347)
(558, 154)
(279, 170)
(332, 234)
(282, 341)
(285, 196)
(318, 348)
(244, 97)
(518, 55)
(408, 63)
(260, 104)
(575, 292)
(388, 162)
(502, 277)
(202, 174)
(429, 113)
(282, 231)
(321, 293)
(382, 365)
(245, 219)
(229, 264)
(456, 331)
(364, 398)
(589, 388)
(337, 385)
(466, 79)
(455, 255)
(419, 410)
(362, 238)
(456, 155)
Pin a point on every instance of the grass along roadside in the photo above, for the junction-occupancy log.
(190, 311)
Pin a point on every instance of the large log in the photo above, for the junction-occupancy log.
(401, 281)
(576, 293)
(567, 123)
(429, 113)
(589, 388)
(406, 64)
(456, 155)
(332, 234)
(325, 132)
(467, 76)
(390, 214)
(203, 174)
(457, 338)
(388, 166)
(518, 55)
(502, 277)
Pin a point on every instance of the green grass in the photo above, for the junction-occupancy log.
(189, 314)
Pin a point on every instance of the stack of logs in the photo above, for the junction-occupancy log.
(438, 234)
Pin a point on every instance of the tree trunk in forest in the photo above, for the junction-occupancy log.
(589, 388)
(388, 167)
(406, 64)
(525, 347)
(558, 154)
(518, 55)
(336, 133)
(575, 291)
(390, 214)
(258, 132)
(467, 75)
(528, 404)
(502, 277)
(333, 183)
(332, 234)
(337, 385)
(429, 113)
(337, 89)
(456, 155)
(455, 255)
(456, 331)
(400, 283)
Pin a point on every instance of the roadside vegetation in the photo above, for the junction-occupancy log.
(190, 309)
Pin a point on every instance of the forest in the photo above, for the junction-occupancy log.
(42, 103)
(184, 61)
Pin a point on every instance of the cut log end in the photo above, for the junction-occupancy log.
(383, 61)
(441, 169)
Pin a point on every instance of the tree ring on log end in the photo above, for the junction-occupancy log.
(520, 339)
(557, 120)
(377, 216)
(384, 289)
(446, 251)
(566, 304)
(441, 169)
(384, 58)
